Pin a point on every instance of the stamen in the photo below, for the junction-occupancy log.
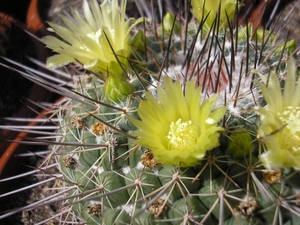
(182, 135)
(291, 117)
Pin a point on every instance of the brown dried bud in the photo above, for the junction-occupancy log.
(158, 207)
(69, 162)
(76, 121)
(94, 209)
(99, 129)
(247, 207)
(148, 160)
(272, 176)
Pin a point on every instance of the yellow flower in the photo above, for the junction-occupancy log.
(280, 121)
(89, 40)
(175, 126)
(210, 8)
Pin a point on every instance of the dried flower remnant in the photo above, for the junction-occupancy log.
(94, 209)
(98, 128)
(76, 121)
(148, 160)
(158, 207)
(247, 207)
(272, 176)
(69, 161)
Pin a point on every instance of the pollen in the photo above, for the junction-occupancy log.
(291, 118)
(182, 135)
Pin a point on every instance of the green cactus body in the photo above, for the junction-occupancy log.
(116, 181)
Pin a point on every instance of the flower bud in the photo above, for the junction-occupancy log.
(117, 88)
(168, 23)
(239, 144)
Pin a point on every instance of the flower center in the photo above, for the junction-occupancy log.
(291, 135)
(182, 135)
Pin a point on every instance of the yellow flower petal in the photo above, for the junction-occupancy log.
(280, 121)
(56, 61)
(174, 126)
(94, 39)
(209, 8)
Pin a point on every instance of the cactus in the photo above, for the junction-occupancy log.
(135, 147)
